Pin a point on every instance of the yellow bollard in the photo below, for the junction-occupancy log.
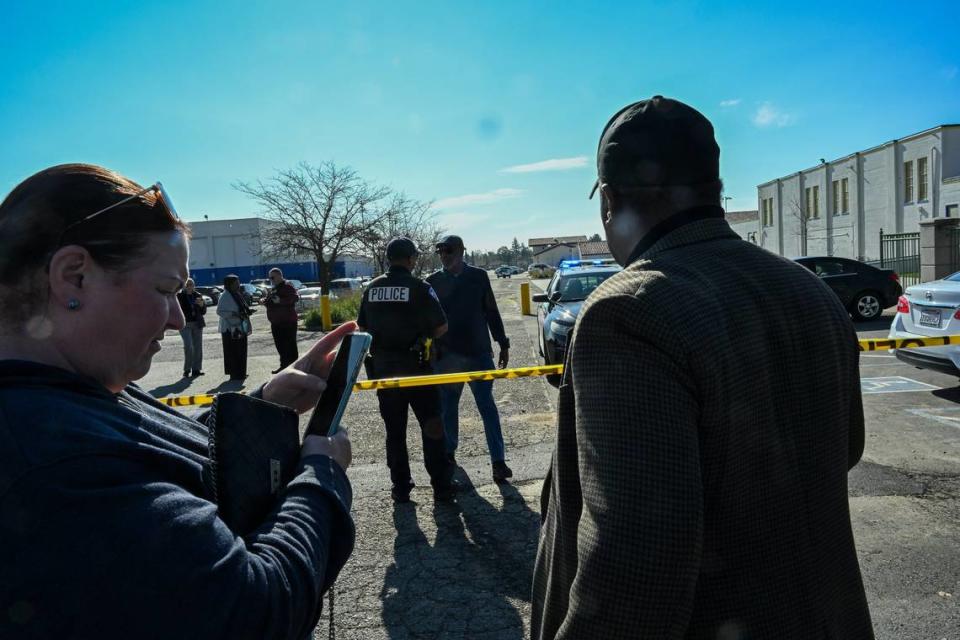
(525, 298)
(325, 312)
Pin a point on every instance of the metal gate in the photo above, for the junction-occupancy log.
(901, 252)
(954, 249)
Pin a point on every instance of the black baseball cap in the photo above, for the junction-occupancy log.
(452, 241)
(401, 248)
(658, 142)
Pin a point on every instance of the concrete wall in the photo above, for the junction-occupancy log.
(951, 153)
(554, 255)
(927, 147)
(747, 229)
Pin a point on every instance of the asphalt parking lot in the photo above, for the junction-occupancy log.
(463, 570)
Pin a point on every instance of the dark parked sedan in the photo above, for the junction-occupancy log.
(865, 291)
(213, 292)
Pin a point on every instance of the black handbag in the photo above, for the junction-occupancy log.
(254, 453)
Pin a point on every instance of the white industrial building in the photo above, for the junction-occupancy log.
(222, 247)
(839, 207)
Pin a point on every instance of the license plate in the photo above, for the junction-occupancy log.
(930, 317)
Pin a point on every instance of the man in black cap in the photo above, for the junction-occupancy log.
(467, 298)
(402, 312)
(707, 417)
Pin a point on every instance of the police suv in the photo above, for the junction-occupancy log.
(559, 305)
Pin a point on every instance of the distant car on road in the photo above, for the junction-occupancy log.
(865, 291)
(212, 292)
(540, 270)
(561, 302)
(929, 310)
(504, 272)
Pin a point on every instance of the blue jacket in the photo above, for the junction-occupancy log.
(107, 529)
(471, 308)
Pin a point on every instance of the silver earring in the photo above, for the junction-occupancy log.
(73, 304)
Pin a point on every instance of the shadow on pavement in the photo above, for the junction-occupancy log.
(227, 385)
(952, 394)
(880, 324)
(468, 583)
(170, 389)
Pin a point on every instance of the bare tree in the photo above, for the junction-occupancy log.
(401, 216)
(321, 211)
(797, 211)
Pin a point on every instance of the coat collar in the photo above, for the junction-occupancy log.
(702, 224)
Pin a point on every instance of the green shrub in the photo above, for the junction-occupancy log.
(313, 320)
(342, 309)
(345, 308)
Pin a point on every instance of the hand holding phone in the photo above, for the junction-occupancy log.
(337, 447)
(343, 374)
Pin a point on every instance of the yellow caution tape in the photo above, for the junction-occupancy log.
(878, 344)
(403, 383)
(885, 344)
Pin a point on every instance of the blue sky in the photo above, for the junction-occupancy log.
(491, 109)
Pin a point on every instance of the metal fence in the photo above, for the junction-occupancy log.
(901, 252)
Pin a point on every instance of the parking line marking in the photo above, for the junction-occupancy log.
(893, 384)
(928, 413)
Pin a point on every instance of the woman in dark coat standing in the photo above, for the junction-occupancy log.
(234, 326)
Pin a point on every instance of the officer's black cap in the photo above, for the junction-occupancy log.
(401, 249)
(658, 142)
(452, 241)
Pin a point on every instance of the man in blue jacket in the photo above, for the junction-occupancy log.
(472, 316)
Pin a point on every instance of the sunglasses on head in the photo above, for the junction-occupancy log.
(445, 250)
(157, 187)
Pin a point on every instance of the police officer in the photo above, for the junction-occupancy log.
(401, 312)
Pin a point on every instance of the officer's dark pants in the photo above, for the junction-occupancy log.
(425, 402)
(285, 339)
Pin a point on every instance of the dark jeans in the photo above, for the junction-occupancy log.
(285, 339)
(425, 402)
(482, 394)
(235, 355)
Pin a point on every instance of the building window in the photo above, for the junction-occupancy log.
(908, 181)
(766, 210)
(951, 211)
(836, 197)
(921, 179)
(845, 195)
(816, 201)
(808, 203)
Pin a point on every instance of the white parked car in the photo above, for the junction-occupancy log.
(309, 298)
(345, 285)
(930, 309)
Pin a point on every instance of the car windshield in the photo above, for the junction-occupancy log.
(953, 277)
(580, 285)
(310, 291)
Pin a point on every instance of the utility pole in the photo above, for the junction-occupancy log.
(725, 199)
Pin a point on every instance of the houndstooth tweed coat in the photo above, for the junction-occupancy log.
(708, 414)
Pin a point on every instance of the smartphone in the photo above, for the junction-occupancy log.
(326, 417)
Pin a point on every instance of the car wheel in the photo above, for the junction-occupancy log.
(866, 306)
